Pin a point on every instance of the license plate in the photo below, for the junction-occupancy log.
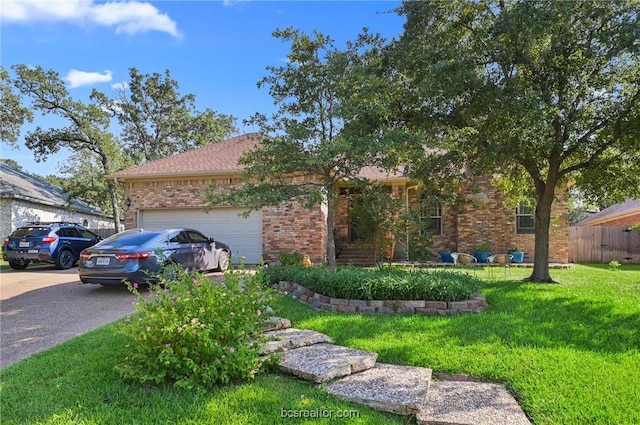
(102, 261)
(24, 244)
(32, 251)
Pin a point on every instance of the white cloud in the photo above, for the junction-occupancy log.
(129, 17)
(77, 78)
(121, 86)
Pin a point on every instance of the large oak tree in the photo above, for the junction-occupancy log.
(539, 93)
(157, 121)
(87, 131)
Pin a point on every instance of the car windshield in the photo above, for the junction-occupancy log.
(129, 238)
(27, 232)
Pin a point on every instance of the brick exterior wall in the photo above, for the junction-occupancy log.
(491, 222)
(289, 229)
(284, 229)
(294, 229)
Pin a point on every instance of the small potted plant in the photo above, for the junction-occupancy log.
(482, 253)
(518, 256)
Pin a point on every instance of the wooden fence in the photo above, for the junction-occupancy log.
(602, 244)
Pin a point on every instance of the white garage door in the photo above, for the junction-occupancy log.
(243, 235)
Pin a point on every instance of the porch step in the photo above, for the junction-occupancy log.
(355, 255)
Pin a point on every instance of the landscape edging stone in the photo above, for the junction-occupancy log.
(476, 304)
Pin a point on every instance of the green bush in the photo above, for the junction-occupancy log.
(194, 333)
(291, 259)
(388, 284)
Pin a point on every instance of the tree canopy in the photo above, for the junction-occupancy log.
(539, 93)
(12, 113)
(88, 130)
(310, 133)
(158, 122)
(155, 121)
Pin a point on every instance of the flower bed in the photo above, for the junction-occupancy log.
(323, 302)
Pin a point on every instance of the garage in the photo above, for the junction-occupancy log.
(243, 235)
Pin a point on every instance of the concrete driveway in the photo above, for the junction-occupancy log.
(41, 307)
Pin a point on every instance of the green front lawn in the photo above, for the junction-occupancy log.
(570, 353)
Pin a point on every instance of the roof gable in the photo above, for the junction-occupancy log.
(17, 184)
(217, 158)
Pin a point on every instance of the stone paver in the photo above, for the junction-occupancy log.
(470, 403)
(292, 338)
(356, 376)
(386, 387)
(275, 323)
(325, 362)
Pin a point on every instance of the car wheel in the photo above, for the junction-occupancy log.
(18, 265)
(223, 261)
(65, 260)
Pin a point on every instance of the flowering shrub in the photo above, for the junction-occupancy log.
(194, 333)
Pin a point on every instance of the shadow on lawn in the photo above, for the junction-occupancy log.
(515, 318)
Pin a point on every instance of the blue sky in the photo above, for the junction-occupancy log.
(217, 50)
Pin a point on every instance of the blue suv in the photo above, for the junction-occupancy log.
(57, 242)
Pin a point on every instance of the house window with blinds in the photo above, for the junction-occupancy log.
(430, 216)
(525, 219)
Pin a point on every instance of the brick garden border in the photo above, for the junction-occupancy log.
(476, 304)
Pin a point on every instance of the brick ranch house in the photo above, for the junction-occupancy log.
(170, 192)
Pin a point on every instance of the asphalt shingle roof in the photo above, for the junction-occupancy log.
(17, 184)
(627, 208)
(217, 158)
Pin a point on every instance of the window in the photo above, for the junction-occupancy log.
(430, 216)
(196, 237)
(524, 219)
(68, 232)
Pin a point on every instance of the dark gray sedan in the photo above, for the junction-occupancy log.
(138, 255)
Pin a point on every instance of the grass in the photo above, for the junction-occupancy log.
(569, 352)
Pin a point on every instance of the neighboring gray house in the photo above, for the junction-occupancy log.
(25, 198)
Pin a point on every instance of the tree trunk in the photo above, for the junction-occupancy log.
(542, 225)
(111, 186)
(114, 205)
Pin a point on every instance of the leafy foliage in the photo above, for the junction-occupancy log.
(12, 113)
(313, 141)
(88, 131)
(158, 122)
(291, 259)
(382, 219)
(385, 284)
(538, 93)
(195, 333)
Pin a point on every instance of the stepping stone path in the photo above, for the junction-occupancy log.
(355, 375)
